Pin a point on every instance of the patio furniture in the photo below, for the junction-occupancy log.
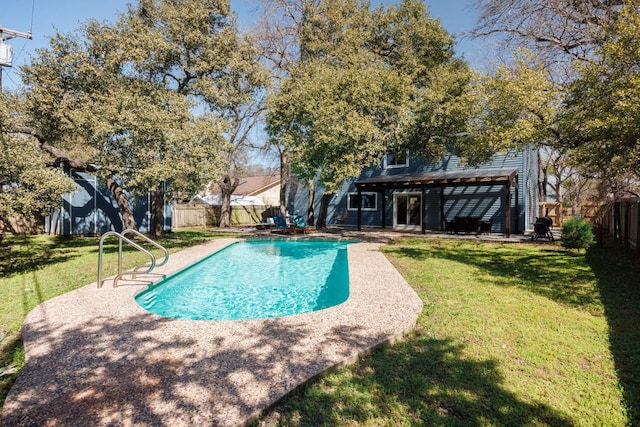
(270, 224)
(281, 226)
(467, 224)
(301, 224)
(485, 226)
(449, 226)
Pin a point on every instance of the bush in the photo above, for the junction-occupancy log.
(576, 234)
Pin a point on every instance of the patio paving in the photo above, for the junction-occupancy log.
(94, 357)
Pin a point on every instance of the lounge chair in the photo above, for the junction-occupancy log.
(269, 225)
(301, 224)
(281, 226)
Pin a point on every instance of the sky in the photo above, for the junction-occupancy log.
(43, 17)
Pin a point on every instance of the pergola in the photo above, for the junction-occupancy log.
(422, 181)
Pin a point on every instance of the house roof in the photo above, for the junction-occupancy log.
(253, 185)
(435, 179)
(216, 200)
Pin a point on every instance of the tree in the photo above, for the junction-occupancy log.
(29, 186)
(590, 50)
(367, 82)
(604, 101)
(150, 99)
(561, 31)
(569, 182)
(278, 36)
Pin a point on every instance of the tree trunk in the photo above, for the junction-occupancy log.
(543, 179)
(311, 202)
(227, 187)
(128, 221)
(284, 178)
(324, 206)
(157, 212)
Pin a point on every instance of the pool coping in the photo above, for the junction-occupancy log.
(95, 357)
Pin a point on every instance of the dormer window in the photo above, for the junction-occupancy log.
(396, 160)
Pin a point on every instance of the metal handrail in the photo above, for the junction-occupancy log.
(148, 240)
(122, 238)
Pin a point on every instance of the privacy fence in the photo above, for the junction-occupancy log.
(620, 220)
(185, 215)
(559, 214)
(624, 223)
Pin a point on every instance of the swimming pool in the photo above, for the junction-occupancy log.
(255, 279)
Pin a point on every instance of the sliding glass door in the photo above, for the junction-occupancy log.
(406, 211)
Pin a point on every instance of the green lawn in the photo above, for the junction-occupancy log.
(34, 269)
(510, 335)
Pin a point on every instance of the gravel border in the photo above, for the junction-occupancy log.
(94, 357)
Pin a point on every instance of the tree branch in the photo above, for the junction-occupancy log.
(61, 158)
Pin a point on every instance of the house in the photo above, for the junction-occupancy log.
(408, 193)
(92, 210)
(251, 203)
(255, 190)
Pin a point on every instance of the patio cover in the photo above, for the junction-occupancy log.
(503, 176)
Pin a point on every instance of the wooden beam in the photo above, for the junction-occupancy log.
(442, 219)
(359, 202)
(423, 207)
(507, 211)
(383, 203)
(517, 225)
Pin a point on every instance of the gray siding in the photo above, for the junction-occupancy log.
(92, 210)
(486, 202)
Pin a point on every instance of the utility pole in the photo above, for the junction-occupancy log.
(6, 51)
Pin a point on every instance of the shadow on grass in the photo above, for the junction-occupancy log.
(568, 278)
(25, 253)
(618, 281)
(424, 381)
(20, 254)
(13, 356)
(560, 275)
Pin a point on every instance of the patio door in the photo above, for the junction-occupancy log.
(406, 211)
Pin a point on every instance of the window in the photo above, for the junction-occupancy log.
(369, 202)
(396, 160)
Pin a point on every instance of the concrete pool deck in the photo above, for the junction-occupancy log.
(94, 357)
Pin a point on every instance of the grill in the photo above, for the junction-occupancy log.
(542, 228)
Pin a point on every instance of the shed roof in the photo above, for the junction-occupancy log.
(440, 178)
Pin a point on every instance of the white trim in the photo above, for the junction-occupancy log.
(367, 193)
(386, 164)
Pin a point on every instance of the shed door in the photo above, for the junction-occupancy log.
(406, 211)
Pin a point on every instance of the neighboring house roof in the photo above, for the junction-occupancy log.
(252, 185)
(216, 200)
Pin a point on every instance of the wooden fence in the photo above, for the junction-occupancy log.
(561, 214)
(626, 223)
(209, 216)
(183, 216)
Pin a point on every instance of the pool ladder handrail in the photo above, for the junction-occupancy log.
(136, 270)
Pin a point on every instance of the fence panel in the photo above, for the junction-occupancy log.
(633, 226)
(209, 216)
(626, 223)
(189, 216)
(561, 214)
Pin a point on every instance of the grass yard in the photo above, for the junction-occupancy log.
(34, 269)
(510, 334)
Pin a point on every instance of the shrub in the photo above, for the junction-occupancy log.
(576, 234)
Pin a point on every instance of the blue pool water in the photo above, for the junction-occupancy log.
(255, 279)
